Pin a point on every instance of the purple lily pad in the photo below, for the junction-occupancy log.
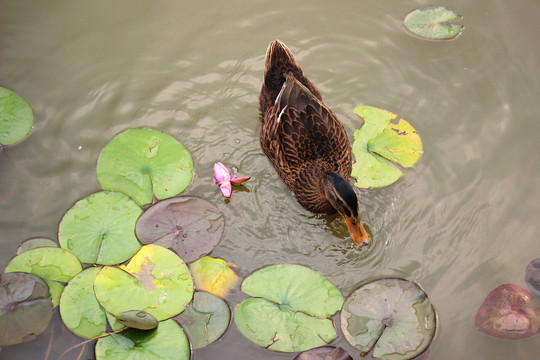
(189, 226)
(532, 277)
(503, 315)
(324, 353)
(25, 307)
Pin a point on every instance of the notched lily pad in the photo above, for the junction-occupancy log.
(190, 226)
(155, 280)
(433, 22)
(25, 307)
(54, 265)
(532, 277)
(35, 243)
(167, 341)
(214, 276)
(324, 353)
(99, 229)
(392, 317)
(291, 310)
(503, 315)
(205, 320)
(378, 143)
(139, 162)
(138, 319)
(79, 308)
(16, 117)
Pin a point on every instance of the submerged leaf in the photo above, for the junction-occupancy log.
(432, 22)
(213, 275)
(190, 226)
(324, 353)
(138, 319)
(54, 265)
(394, 317)
(205, 320)
(35, 243)
(139, 162)
(291, 310)
(79, 308)
(155, 280)
(25, 307)
(378, 143)
(16, 117)
(532, 277)
(503, 315)
(99, 229)
(167, 341)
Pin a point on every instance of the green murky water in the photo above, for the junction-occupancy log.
(462, 221)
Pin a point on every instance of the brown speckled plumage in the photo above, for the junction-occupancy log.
(300, 135)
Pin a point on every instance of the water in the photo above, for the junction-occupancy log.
(462, 221)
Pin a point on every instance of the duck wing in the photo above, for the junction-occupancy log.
(300, 130)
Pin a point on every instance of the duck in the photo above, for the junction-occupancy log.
(305, 141)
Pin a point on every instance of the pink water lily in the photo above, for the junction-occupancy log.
(223, 178)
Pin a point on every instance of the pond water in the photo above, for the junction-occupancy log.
(462, 221)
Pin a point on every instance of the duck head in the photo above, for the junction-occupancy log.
(343, 198)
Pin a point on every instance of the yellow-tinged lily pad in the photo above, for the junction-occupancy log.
(155, 280)
(213, 275)
(54, 265)
(379, 143)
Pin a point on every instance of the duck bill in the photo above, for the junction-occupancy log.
(357, 231)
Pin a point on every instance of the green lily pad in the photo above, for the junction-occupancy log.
(80, 309)
(138, 319)
(53, 265)
(214, 276)
(190, 226)
(394, 317)
(100, 229)
(378, 143)
(291, 310)
(155, 280)
(432, 22)
(25, 307)
(140, 161)
(16, 117)
(205, 320)
(35, 243)
(167, 341)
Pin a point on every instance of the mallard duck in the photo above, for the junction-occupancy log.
(305, 141)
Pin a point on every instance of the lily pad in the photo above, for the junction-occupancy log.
(140, 161)
(378, 143)
(503, 315)
(80, 309)
(394, 317)
(100, 229)
(190, 226)
(167, 341)
(16, 117)
(35, 243)
(532, 277)
(324, 353)
(138, 319)
(214, 276)
(155, 280)
(432, 22)
(54, 265)
(25, 307)
(291, 310)
(205, 320)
